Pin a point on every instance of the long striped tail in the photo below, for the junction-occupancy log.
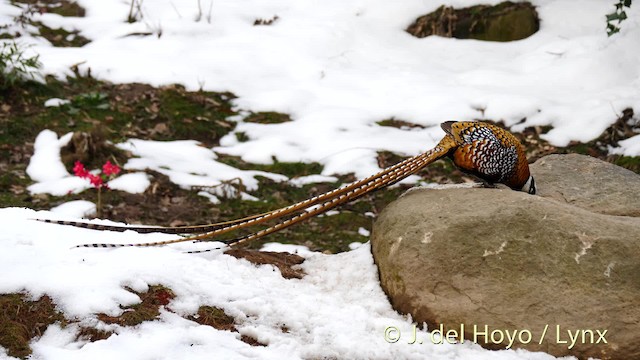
(329, 200)
(241, 223)
(197, 229)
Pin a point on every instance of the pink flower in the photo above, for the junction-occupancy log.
(96, 181)
(79, 170)
(110, 169)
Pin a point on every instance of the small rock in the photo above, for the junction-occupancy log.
(506, 21)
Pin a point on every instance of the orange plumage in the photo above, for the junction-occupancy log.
(491, 153)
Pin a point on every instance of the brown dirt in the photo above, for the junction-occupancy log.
(147, 310)
(283, 261)
(218, 319)
(22, 319)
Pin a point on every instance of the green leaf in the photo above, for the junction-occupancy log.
(612, 17)
(627, 3)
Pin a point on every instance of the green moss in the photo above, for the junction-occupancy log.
(399, 124)
(61, 37)
(629, 162)
(200, 116)
(293, 169)
(93, 334)
(60, 7)
(67, 8)
(214, 317)
(57, 37)
(289, 169)
(22, 320)
(580, 148)
(268, 118)
(13, 188)
(242, 136)
(147, 310)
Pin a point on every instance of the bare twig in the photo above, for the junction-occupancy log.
(199, 16)
(210, 10)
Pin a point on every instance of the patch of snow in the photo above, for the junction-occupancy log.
(75, 209)
(628, 147)
(188, 164)
(312, 179)
(45, 164)
(364, 232)
(214, 199)
(337, 310)
(55, 102)
(293, 249)
(135, 183)
(60, 187)
(330, 213)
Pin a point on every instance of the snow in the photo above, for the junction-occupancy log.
(628, 147)
(48, 171)
(185, 162)
(45, 164)
(214, 199)
(337, 310)
(55, 102)
(75, 209)
(337, 67)
(293, 249)
(364, 232)
(188, 164)
(312, 179)
(135, 183)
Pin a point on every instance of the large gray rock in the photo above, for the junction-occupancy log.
(588, 183)
(517, 262)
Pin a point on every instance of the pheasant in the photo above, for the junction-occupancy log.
(481, 149)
